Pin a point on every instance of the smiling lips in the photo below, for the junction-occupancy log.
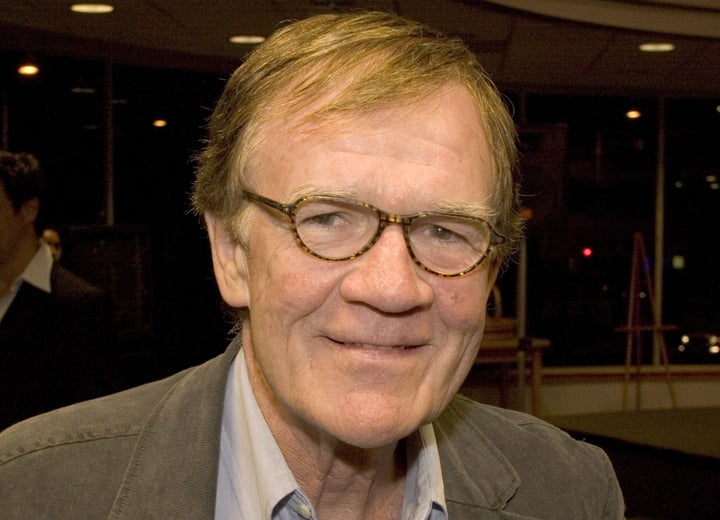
(373, 346)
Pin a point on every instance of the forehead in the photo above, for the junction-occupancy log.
(335, 108)
(424, 141)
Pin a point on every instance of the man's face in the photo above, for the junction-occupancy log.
(363, 350)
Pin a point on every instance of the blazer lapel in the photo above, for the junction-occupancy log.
(479, 480)
(173, 471)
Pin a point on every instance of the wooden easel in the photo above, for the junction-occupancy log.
(635, 327)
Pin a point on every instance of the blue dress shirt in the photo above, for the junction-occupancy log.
(255, 482)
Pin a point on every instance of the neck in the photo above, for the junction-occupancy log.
(347, 482)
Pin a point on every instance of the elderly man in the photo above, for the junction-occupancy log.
(358, 193)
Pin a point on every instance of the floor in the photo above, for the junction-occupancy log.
(667, 462)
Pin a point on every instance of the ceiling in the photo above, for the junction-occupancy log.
(588, 46)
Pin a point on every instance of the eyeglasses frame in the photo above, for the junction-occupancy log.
(385, 219)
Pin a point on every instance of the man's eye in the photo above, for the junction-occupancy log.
(326, 219)
(329, 220)
(443, 234)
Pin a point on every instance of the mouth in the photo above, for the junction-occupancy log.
(374, 346)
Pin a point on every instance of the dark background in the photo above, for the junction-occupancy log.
(589, 177)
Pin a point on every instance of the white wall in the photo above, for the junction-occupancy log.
(578, 390)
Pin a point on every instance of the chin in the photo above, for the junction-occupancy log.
(370, 427)
(370, 439)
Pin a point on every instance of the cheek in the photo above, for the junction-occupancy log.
(465, 306)
(290, 280)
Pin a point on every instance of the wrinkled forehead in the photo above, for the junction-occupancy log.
(330, 117)
(428, 139)
(339, 109)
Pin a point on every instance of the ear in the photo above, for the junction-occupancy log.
(229, 263)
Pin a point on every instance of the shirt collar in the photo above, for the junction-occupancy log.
(424, 489)
(37, 272)
(257, 475)
(254, 478)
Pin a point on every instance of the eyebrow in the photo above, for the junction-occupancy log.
(312, 190)
(473, 209)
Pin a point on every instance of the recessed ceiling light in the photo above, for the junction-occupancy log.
(28, 69)
(92, 8)
(247, 39)
(657, 47)
(633, 114)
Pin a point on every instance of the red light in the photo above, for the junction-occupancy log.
(587, 252)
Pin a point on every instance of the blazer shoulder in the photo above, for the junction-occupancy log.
(71, 462)
(546, 471)
(117, 415)
(519, 436)
(64, 281)
(149, 452)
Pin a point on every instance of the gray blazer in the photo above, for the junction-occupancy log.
(152, 453)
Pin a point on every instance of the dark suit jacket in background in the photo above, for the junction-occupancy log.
(151, 453)
(55, 349)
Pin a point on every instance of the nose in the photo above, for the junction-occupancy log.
(386, 277)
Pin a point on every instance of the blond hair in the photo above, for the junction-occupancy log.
(367, 61)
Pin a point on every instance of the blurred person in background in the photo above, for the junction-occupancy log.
(52, 238)
(56, 329)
